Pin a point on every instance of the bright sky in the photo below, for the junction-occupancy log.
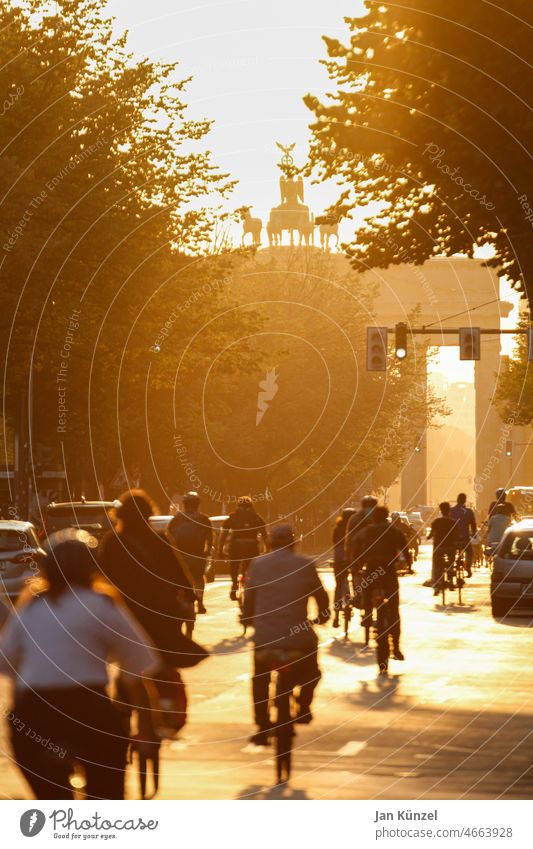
(252, 62)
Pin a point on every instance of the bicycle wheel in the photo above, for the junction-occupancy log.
(284, 730)
(383, 648)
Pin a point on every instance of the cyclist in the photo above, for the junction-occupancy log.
(278, 587)
(340, 569)
(501, 501)
(379, 545)
(444, 535)
(498, 523)
(245, 526)
(355, 524)
(407, 532)
(192, 534)
(465, 521)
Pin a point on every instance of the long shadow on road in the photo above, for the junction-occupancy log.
(278, 792)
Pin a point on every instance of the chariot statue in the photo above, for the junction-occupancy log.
(292, 214)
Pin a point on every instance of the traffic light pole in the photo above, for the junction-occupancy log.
(450, 331)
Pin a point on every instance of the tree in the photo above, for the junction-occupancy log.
(328, 427)
(514, 390)
(430, 121)
(107, 220)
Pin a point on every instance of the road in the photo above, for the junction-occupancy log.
(455, 720)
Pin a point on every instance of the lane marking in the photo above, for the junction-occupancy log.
(353, 747)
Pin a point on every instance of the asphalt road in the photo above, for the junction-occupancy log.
(455, 720)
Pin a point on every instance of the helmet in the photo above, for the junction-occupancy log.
(191, 499)
(347, 512)
(395, 514)
(281, 535)
(368, 501)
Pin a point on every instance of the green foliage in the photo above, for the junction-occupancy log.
(431, 119)
(514, 391)
(330, 427)
(108, 214)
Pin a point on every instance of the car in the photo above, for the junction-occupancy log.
(91, 516)
(414, 517)
(511, 586)
(161, 523)
(20, 556)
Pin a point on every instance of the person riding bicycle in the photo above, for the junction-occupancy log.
(498, 524)
(340, 568)
(466, 526)
(356, 523)
(192, 534)
(444, 535)
(278, 588)
(501, 501)
(379, 545)
(407, 532)
(245, 526)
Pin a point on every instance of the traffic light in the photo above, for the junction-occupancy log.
(509, 448)
(470, 343)
(400, 340)
(376, 349)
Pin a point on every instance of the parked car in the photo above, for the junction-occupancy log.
(511, 587)
(91, 516)
(161, 523)
(20, 555)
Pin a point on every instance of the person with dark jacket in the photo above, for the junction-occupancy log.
(244, 526)
(466, 527)
(501, 501)
(144, 568)
(340, 567)
(192, 533)
(445, 544)
(378, 546)
(278, 588)
(356, 523)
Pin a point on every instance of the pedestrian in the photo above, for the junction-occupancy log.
(192, 534)
(143, 567)
(56, 647)
(466, 527)
(278, 589)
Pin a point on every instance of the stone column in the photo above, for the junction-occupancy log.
(493, 468)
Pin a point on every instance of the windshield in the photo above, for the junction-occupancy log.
(11, 540)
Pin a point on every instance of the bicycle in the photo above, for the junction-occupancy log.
(346, 606)
(281, 662)
(383, 627)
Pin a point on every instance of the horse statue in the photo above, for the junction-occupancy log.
(328, 228)
(252, 226)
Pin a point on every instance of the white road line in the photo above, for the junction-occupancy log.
(353, 747)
